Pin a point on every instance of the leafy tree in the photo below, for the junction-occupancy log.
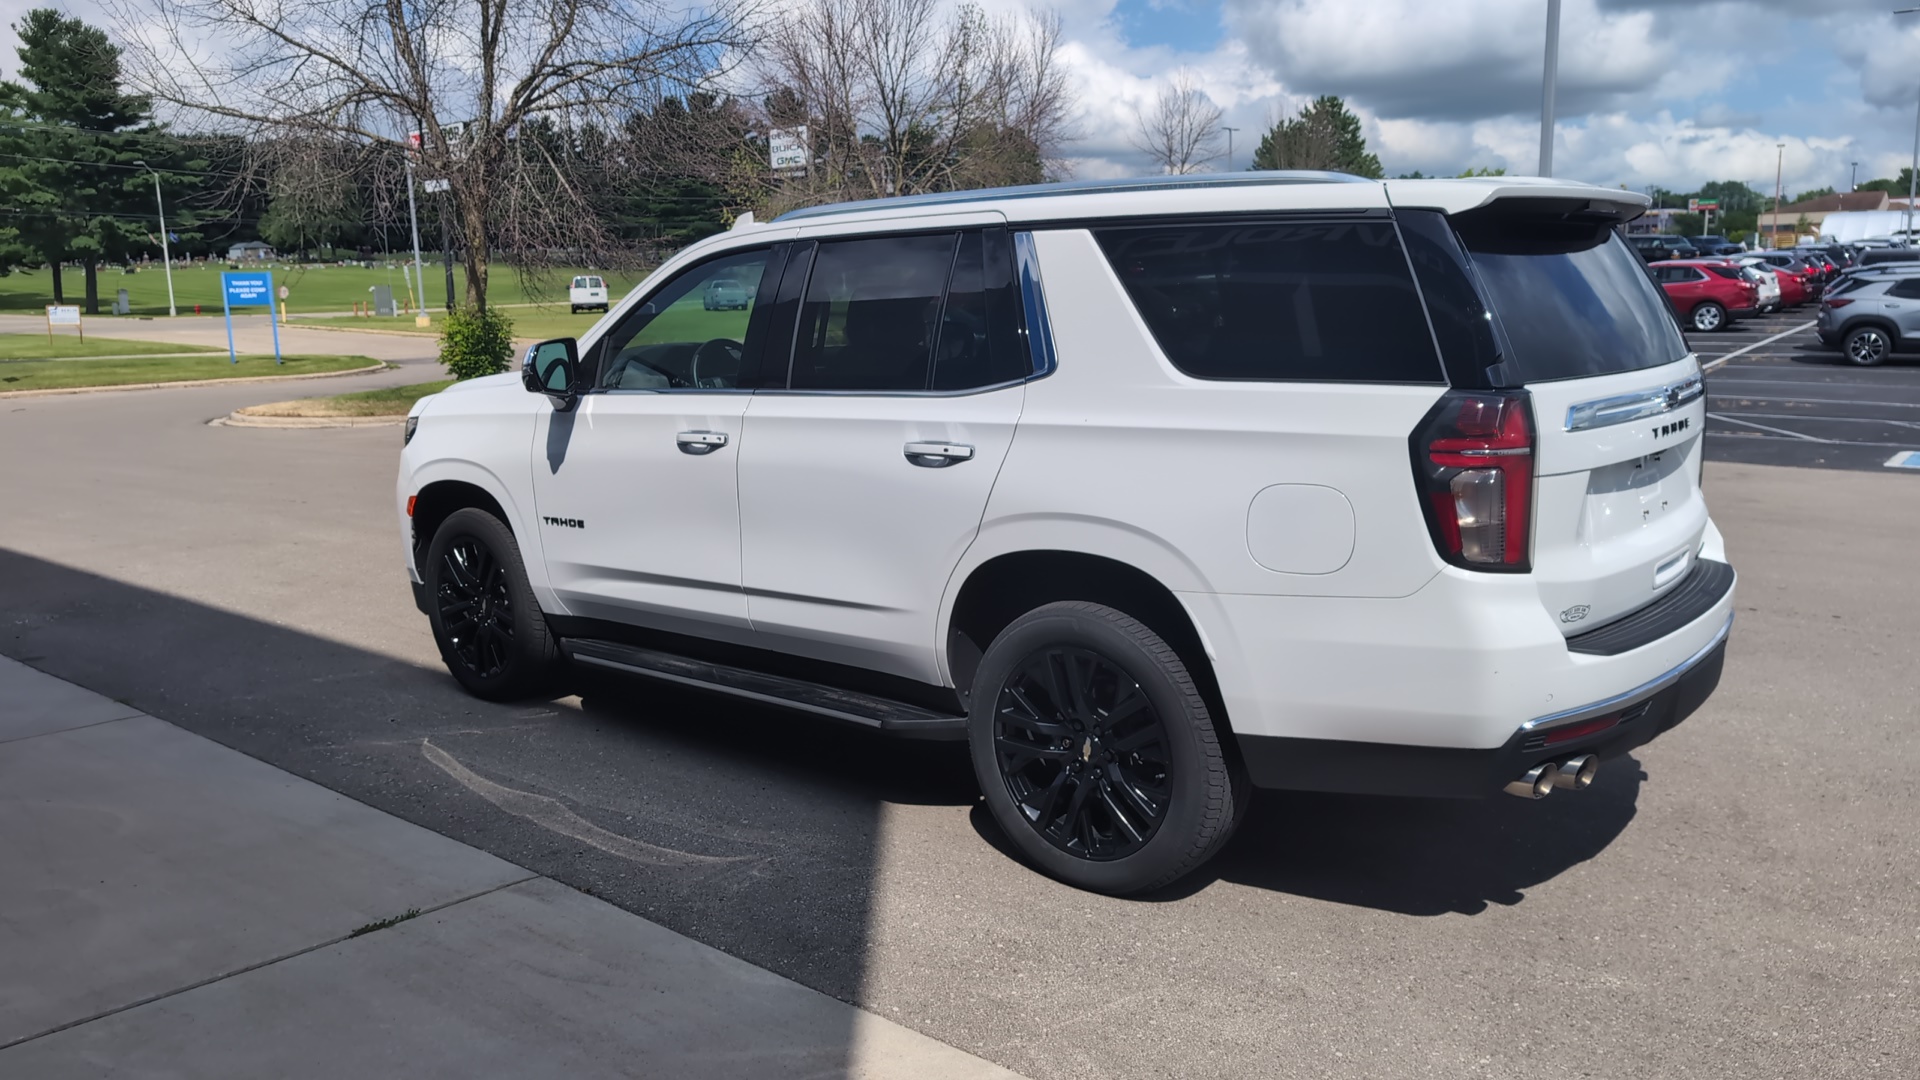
(1897, 186)
(71, 139)
(1816, 193)
(1483, 170)
(1323, 136)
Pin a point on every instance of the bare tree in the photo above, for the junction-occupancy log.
(895, 99)
(1181, 132)
(511, 97)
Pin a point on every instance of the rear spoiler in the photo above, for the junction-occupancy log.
(1564, 200)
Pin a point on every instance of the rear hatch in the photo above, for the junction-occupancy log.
(1618, 403)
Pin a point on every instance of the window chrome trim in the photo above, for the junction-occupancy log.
(1638, 405)
(1637, 694)
(1036, 327)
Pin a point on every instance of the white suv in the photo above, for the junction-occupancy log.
(1152, 491)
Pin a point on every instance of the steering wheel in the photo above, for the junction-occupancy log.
(723, 353)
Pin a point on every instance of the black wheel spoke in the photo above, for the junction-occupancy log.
(1082, 751)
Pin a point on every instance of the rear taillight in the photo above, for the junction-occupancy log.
(1835, 301)
(1473, 460)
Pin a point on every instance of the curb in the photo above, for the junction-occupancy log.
(426, 335)
(239, 419)
(194, 382)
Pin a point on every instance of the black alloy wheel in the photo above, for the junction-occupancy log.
(491, 632)
(476, 608)
(1097, 754)
(1083, 753)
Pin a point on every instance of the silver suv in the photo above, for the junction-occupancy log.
(1871, 317)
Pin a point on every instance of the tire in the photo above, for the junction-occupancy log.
(1096, 752)
(1868, 346)
(510, 653)
(573, 309)
(1708, 317)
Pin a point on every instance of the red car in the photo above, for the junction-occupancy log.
(1794, 287)
(1707, 294)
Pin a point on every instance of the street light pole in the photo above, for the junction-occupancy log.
(1779, 163)
(166, 253)
(1229, 131)
(1913, 173)
(1547, 80)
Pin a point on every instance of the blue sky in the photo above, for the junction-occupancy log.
(1668, 92)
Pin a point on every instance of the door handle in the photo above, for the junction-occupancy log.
(938, 455)
(700, 442)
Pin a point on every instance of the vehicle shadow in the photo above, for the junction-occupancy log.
(1408, 856)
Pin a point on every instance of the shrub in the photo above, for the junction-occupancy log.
(476, 342)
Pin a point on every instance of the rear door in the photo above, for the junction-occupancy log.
(865, 471)
(1618, 405)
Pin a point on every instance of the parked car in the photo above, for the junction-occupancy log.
(726, 294)
(1873, 318)
(1715, 245)
(1111, 480)
(1707, 294)
(1763, 278)
(1803, 274)
(588, 293)
(1792, 284)
(1883, 255)
(1655, 248)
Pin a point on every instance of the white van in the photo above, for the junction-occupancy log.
(1153, 492)
(588, 293)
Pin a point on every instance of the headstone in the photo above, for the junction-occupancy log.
(121, 305)
(383, 300)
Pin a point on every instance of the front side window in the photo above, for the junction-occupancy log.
(1309, 300)
(690, 335)
(872, 313)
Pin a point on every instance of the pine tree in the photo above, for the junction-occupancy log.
(1323, 136)
(71, 138)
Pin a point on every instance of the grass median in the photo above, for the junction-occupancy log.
(538, 324)
(75, 374)
(67, 345)
(393, 401)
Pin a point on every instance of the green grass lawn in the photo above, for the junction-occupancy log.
(310, 288)
(66, 374)
(393, 401)
(66, 343)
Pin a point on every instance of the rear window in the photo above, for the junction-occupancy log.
(1572, 298)
(1310, 300)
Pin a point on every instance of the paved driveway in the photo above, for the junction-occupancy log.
(1738, 900)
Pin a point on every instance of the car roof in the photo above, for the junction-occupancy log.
(1242, 192)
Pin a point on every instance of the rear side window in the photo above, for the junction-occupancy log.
(871, 312)
(1322, 300)
(1726, 272)
(1571, 297)
(1905, 289)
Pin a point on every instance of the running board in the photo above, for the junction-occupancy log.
(866, 710)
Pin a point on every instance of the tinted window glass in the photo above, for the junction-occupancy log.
(871, 314)
(1329, 300)
(1725, 272)
(1572, 299)
(691, 334)
(1906, 289)
(974, 348)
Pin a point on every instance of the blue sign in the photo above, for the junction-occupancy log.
(249, 290)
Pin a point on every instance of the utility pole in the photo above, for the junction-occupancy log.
(166, 253)
(1779, 161)
(1853, 176)
(1229, 132)
(1913, 174)
(1547, 80)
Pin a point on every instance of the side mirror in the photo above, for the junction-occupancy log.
(553, 368)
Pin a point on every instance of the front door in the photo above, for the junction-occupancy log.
(637, 488)
(864, 480)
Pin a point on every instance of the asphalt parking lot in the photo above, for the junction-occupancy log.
(1777, 396)
(1737, 899)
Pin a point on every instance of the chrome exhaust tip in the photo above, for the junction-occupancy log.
(1577, 773)
(1537, 782)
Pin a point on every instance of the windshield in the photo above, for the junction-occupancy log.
(1573, 299)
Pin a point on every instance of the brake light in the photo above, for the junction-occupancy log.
(1473, 460)
(1836, 301)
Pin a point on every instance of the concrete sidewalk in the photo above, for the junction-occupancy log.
(170, 907)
